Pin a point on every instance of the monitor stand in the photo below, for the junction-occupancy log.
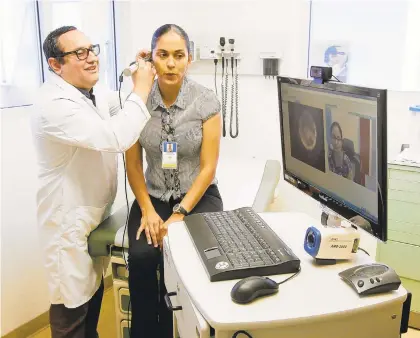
(320, 261)
(331, 219)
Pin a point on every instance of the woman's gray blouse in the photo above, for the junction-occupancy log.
(181, 123)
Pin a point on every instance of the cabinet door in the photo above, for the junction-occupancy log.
(403, 258)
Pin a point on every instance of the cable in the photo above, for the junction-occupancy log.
(361, 249)
(289, 278)
(121, 78)
(231, 101)
(236, 94)
(123, 250)
(223, 96)
(215, 74)
(336, 79)
(222, 48)
(243, 332)
(128, 209)
(283, 281)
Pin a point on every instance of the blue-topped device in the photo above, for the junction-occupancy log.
(415, 109)
(312, 241)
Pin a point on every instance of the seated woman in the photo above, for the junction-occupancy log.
(181, 141)
(339, 162)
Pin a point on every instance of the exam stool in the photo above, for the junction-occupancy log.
(107, 240)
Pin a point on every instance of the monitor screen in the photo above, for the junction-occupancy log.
(334, 148)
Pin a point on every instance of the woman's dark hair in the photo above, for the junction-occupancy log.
(167, 28)
(51, 47)
(336, 124)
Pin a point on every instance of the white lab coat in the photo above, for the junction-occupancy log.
(77, 145)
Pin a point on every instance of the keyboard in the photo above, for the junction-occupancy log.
(237, 244)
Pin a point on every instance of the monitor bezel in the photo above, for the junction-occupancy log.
(381, 96)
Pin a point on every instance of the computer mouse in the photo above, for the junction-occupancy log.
(251, 288)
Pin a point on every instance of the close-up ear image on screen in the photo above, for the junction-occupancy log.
(307, 142)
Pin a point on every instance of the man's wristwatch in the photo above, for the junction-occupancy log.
(179, 209)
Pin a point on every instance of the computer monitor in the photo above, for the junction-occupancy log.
(334, 148)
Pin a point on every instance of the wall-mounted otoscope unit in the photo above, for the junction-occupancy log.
(226, 54)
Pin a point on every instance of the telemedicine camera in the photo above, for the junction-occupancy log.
(327, 244)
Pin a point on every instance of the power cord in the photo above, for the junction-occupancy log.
(121, 79)
(289, 278)
(235, 93)
(283, 281)
(225, 94)
(222, 47)
(336, 79)
(241, 332)
(361, 249)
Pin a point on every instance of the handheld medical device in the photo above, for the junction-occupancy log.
(224, 85)
(134, 66)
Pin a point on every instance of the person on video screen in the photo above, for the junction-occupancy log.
(339, 162)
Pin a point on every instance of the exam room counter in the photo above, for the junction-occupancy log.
(262, 192)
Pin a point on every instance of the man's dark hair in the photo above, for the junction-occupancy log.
(51, 47)
(165, 29)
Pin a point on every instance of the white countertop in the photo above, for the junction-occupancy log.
(316, 292)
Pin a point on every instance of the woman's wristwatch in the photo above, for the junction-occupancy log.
(179, 209)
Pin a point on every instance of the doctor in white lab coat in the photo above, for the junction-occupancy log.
(78, 131)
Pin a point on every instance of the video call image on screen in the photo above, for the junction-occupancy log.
(307, 142)
(330, 141)
(349, 146)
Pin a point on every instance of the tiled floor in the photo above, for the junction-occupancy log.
(107, 321)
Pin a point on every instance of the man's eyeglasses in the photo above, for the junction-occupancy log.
(83, 53)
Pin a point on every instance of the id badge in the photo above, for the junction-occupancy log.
(169, 155)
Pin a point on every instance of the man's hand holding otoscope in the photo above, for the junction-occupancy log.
(142, 73)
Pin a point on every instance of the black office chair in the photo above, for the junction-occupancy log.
(348, 147)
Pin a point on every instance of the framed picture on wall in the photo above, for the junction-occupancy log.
(333, 54)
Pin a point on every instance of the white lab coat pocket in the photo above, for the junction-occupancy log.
(87, 220)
